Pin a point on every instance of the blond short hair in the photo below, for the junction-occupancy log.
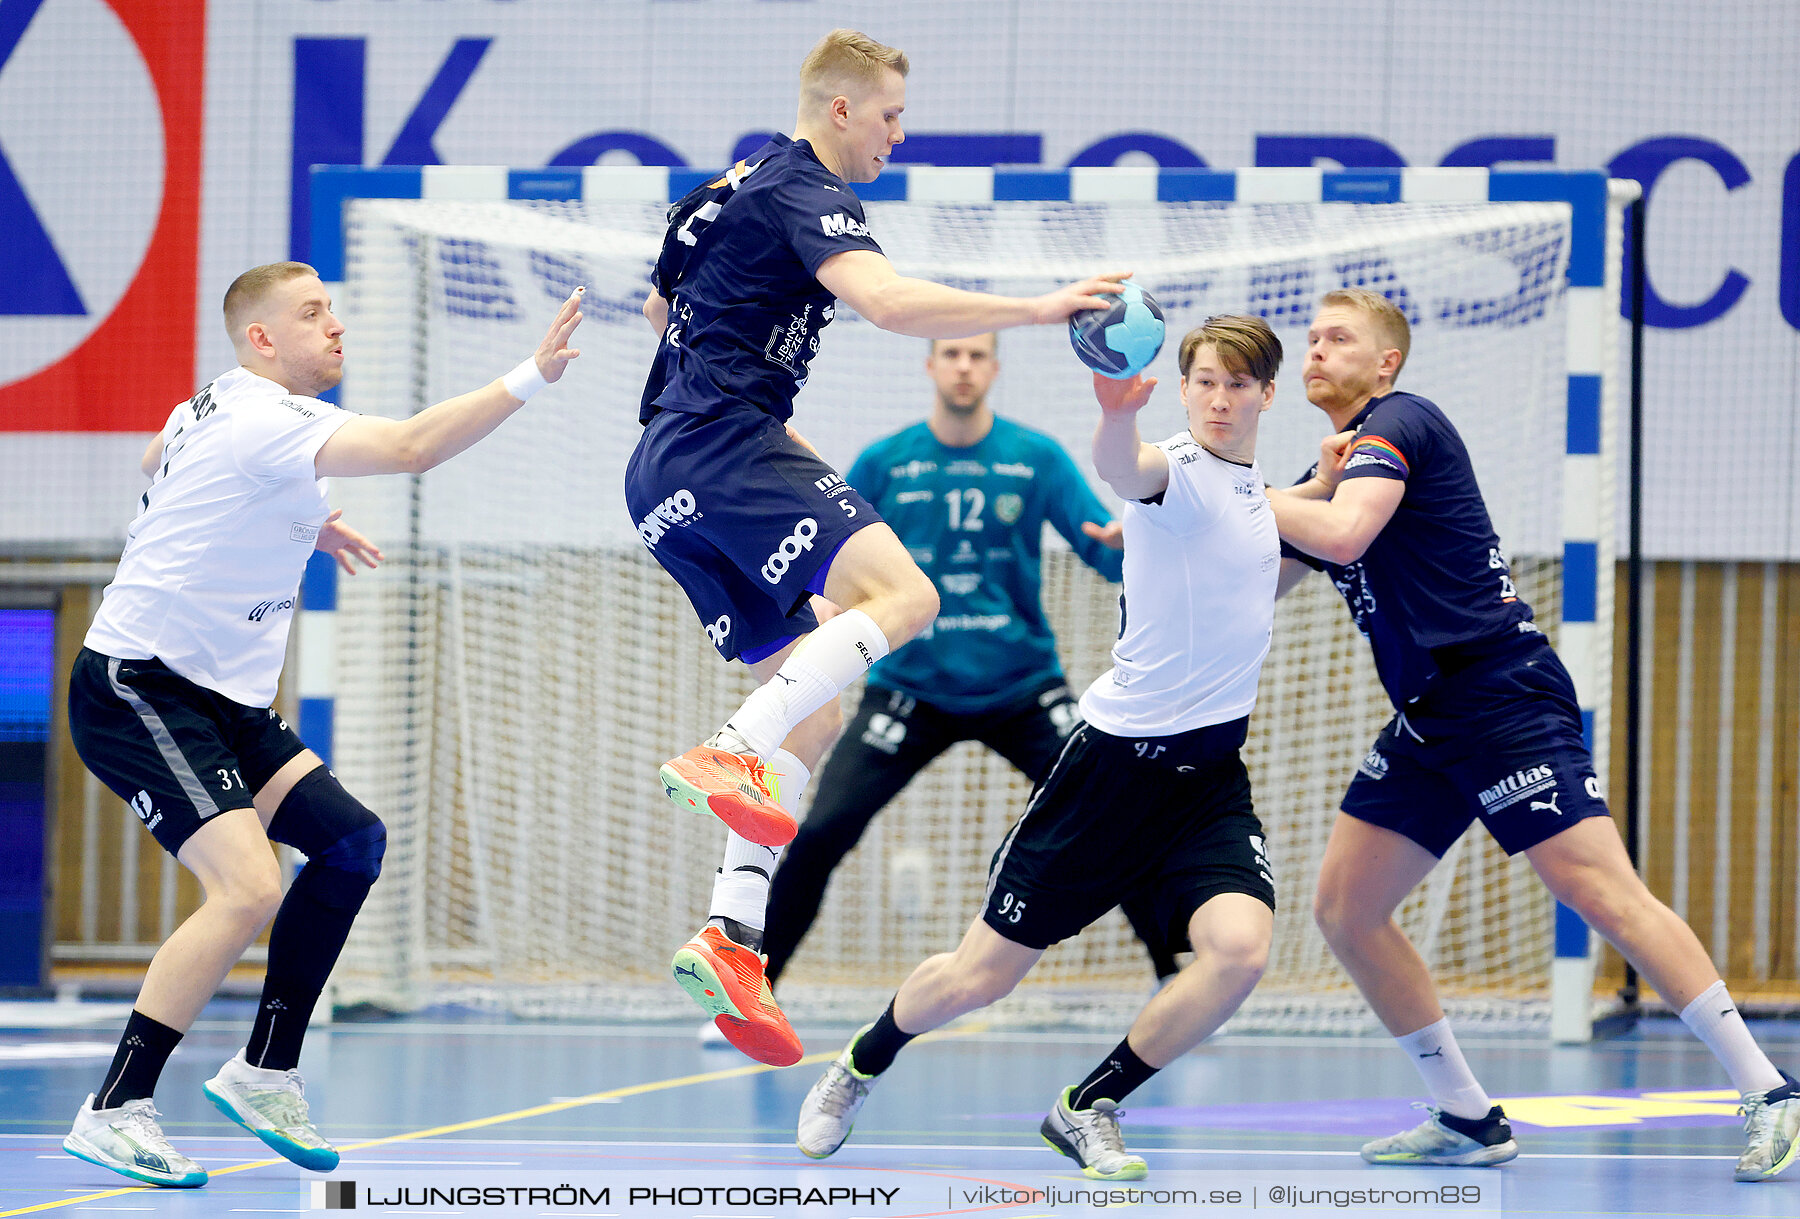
(1246, 346)
(845, 61)
(249, 290)
(1390, 323)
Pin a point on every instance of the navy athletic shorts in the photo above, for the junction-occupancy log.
(1165, 820)
(745, 518)
(1499, 742)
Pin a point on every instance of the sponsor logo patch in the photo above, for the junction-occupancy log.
(1520, 785)
(145, 808)
(1374, 765)
(718, 630)
(263, 609)
(792, 547)
(839, 225)
(679, 509)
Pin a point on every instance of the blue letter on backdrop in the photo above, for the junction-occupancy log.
(1645, 161)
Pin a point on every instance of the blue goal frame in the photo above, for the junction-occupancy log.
(1585, 191)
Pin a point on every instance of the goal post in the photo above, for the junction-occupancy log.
(502, 691)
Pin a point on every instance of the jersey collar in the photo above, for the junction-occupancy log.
(1362, 416)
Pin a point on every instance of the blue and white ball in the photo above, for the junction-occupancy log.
(1121, 341)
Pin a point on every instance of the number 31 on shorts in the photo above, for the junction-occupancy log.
(1011, 908)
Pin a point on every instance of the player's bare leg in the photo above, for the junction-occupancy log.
(1366, 874)
(1587, 869)
(117, 1127)
(983, 970)
(1230, 935)
(887, 600)
(231, 857)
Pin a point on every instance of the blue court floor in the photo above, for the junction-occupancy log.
(450, 1115)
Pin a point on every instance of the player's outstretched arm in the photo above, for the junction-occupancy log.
(868, 283)
(1338, 529)
(1133, 469)
(369, 444)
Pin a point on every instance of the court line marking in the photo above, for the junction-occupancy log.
(592, 1098)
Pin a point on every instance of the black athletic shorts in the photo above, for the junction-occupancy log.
(175, 752)
(1498, 742)
(1168, 819)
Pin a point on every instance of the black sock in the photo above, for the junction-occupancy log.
(304, 944)
(143, 1051)
(873, 1052)
(1114, 1079)
(740, 933)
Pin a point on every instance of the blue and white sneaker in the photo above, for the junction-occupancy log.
(1771, 1131)
(127, 1140)
(272, 1106)
(1444, 1138)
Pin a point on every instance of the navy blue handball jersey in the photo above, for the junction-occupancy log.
(738, 268)
(1435, 577)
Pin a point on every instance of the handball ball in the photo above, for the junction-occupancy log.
(1121, 341)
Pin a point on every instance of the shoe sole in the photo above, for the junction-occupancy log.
(767, 825)
(695, 974)
(313, 1158)
(1485, 1157)
(1131, 1172)
(81, 1149)
(823, 1155)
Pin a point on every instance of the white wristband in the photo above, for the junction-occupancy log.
(524, 381)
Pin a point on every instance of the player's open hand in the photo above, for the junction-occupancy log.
(1094, 293)
(1111, 534)
(345, 544)
(554, 353)
(1125, 397)
(1334, 451)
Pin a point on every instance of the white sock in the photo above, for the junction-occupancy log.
(1715, 1020)
(1452, 1085)
(827, 661)
(741, 890)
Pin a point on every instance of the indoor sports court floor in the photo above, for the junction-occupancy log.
(428, 1107)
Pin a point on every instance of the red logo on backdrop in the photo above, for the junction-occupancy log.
(100, 208)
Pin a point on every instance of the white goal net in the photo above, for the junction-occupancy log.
(511, 678)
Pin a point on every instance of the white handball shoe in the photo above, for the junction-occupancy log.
(1444, 1138)
(128, 1141)
(272, 1106)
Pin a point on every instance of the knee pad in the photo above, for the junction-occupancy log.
(331, 828)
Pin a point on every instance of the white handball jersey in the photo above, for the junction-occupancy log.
(212, 563)
(1199, 604)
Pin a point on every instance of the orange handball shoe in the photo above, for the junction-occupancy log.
(738, 789)
(726, 979)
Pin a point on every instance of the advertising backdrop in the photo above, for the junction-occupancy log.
(151, 149)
